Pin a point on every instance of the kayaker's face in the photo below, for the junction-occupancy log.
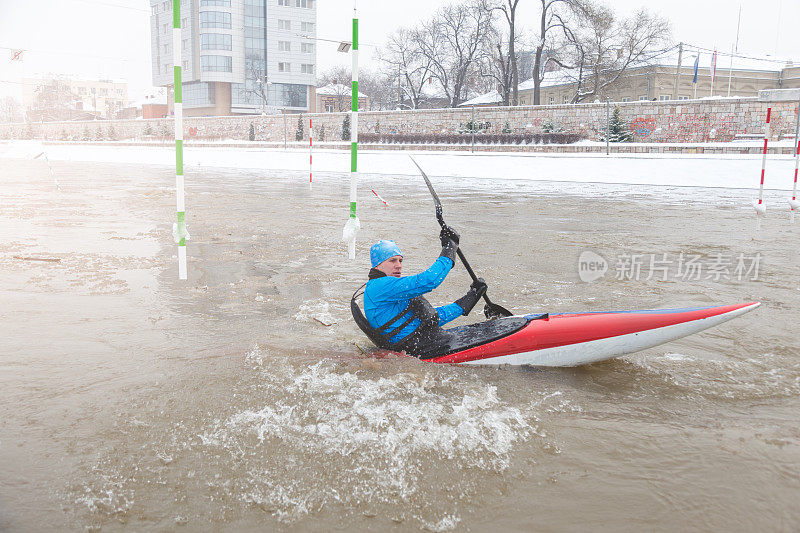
(392, 266)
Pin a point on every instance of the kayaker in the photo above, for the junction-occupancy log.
(394, 305)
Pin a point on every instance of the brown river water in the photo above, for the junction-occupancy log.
(240, 400)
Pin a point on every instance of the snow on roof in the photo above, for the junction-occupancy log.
(492, 97)
(767, 63)
(551, 79)
(153, 99)
(337, 89)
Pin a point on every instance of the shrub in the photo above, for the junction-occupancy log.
(346, 128)
(251, 134)
(300, 132)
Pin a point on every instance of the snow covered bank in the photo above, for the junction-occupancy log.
(696, 170)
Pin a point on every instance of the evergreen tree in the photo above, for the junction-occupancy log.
(322, 133)
(300, 133)
(346, 128)
(252, 132)
(112, 134)
(99, 133)
(148, 131)
(618, 130)
(86, 134)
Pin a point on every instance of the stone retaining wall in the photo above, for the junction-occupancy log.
(686, 121)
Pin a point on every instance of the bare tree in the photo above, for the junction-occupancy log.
(11, 110)
(549, 20)
(509, 10)
(257, 72)
(604, 49)
(406, 67)
(378, 88)
(54, 100)
(451, 42)
(494, 66)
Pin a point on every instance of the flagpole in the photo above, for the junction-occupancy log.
(730, 73)
(713, 71)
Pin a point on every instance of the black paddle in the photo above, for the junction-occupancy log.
(491, 310)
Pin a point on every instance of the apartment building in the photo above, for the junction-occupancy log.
(663, 80)
(238, 56)
(52, 98)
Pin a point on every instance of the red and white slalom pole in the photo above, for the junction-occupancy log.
(760, 206)
(379, 198)
(794, 205)
(310, 151)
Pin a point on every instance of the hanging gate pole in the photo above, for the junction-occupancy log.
(179, 229)
(353, 225)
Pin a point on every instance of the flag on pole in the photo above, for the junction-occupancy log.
(696, 66)
(713, 71)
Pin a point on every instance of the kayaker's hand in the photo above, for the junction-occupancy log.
(479, 286)
(449, 234)
(475, 293)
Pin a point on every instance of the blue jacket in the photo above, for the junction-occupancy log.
(387, 296)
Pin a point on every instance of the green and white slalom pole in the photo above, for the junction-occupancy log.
(353, 225)
(179, 228)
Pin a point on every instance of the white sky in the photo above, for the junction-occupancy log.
(111, 38)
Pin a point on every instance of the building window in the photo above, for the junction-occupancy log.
(284, 3)
(224, 3)
(284, 46)
(284, 24)
(665, 97)
(642, 98)
(565, 99)
(305, 3)
(329, 107)
(626, 98)
(198, 94)
(552, 100)
(185, 44)
(166, 49)
(184, 23)
(215, 19)
(215, 41)
(154, 10)
(307, 69)
(307, 27)
(284, 67)
(186, 65)
(253, 43)
(307, 48)
(683, 98)
(216, 63)
(164, 28)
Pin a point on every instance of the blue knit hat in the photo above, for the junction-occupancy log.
(383, 250)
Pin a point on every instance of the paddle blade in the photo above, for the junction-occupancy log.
(430, 186)
(492, 311)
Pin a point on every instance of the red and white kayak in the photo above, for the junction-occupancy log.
(580, 338)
